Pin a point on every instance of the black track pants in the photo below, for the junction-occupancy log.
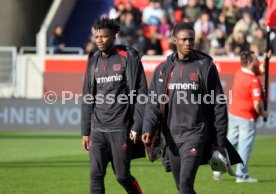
(112, 147)
(185, 159)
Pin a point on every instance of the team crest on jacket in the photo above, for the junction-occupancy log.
(193, 152)
(117, 67)
(193, 76)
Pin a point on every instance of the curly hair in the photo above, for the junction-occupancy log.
(105, 22)
(182, 26)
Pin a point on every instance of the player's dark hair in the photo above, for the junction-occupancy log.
(246, 56)
(107, 23)
(182, 26)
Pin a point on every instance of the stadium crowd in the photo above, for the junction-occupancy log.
(221, 27)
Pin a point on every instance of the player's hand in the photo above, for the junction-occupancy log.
(262, 68)
(265, 114)
(268, 54)
(134, 136)
(86, 143)
(146, 137)
(220, 149)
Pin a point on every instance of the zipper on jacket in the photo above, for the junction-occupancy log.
(105, 65)
(181, 71)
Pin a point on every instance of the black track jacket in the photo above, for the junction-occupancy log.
(212, 118)
(135, 81)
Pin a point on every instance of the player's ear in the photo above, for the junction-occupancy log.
(174, 40)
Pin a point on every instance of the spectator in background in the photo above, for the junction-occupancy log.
(136, 3)
(218, 43)
(249, 8)
(137, 15)
(212, 11)
(153, 45)
(261, 8)
(192, 11)
(247, 26)
(164, 28)
(204, 30)
(182, 3)
(140, 42)
(57, 40)
(219, 3)
(231, 13)
(116, 12)
(259, 42)
(168, 6)
(223, 25)
(239, 3)
(236, 44)
(164, 34)
(153, 13)
(204, 26)
(128, 29)
(223, 15)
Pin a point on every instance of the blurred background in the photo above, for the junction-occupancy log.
(44, 46)
(43, 56)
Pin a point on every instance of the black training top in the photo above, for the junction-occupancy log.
(185, 111)
(107, 78)
(185, 117)
(110, 79)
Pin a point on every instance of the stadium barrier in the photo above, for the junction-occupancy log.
(8, 56)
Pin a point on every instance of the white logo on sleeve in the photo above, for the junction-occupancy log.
(256, 92)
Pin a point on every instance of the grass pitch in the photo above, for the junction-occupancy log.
(34, 162)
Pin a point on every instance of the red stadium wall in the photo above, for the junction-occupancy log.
(67, 74)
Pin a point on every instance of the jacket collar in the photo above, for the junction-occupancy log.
(247, 71)
(174, 57)
(112, 52)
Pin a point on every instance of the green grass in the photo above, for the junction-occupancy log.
(34, 162)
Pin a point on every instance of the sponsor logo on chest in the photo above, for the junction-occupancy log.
(108, 79)
(183, 86)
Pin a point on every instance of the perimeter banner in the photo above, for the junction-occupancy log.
(23, 114)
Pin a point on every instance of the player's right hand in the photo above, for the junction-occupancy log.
(86, 143)
(146, 137)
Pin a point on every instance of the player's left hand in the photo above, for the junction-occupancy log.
(134, 136)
